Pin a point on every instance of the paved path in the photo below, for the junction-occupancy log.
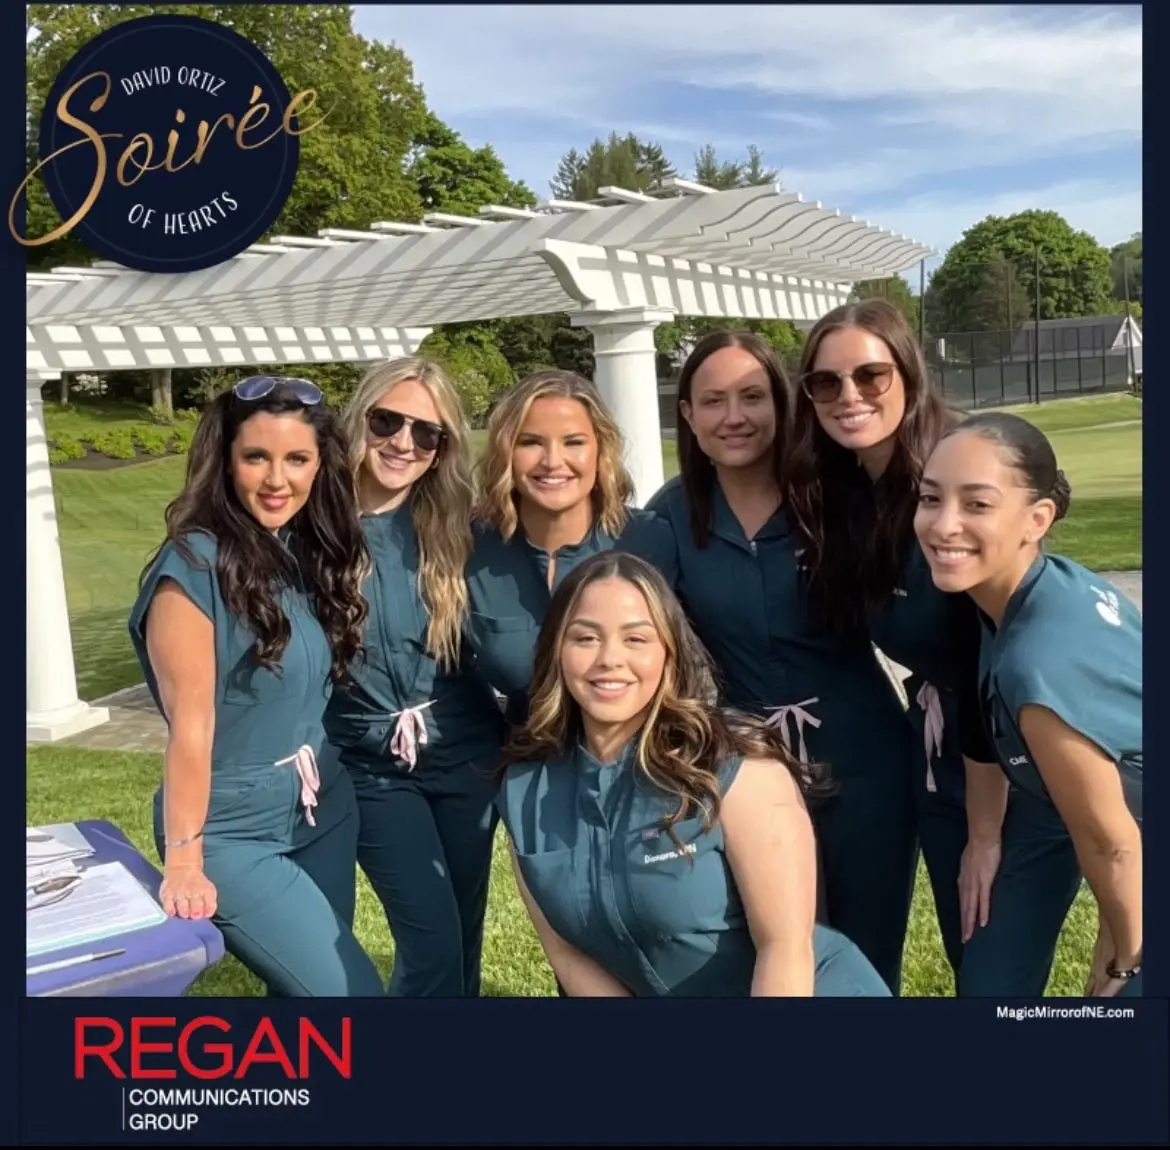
(135, 724)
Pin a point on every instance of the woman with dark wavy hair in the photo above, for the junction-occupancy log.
(867, 416)
(734, 557)
(662, 846)
(1061, 691)
(247, 616)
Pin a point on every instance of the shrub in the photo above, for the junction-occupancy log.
(153, 440)
(117, 443)
(63, 448)
(181, 437)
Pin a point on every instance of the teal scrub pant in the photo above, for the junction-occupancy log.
(425, 844)
(942, 834)
(285, 890)
(869, 855)
(1038, 879)
(842, 971)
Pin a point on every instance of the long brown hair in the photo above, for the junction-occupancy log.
(614, 489)
(686, 736)
(695, 469)
(821, 477)
(252, 565)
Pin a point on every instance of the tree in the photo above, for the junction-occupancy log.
(621, 161)
(732, 173)
(896, 290)
(452, 177)
(1126, 267)
(1074, 271)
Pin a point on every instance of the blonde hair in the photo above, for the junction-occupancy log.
(614, 488)
(441, 499)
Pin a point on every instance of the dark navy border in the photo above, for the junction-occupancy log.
(575, 1072)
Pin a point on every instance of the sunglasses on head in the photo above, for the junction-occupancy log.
(258, 386)
(385, 424)
(870, 379)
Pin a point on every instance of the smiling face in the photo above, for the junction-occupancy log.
(731, 409)
(977, 523)
(274, 460)
(864, 411)
(554, 460)
(394, 463)
(612, 657)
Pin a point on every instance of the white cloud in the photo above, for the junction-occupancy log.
(1108, 213)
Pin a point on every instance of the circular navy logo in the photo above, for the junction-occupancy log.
(170, 143)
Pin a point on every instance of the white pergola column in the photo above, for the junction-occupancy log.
(626, 374)
(52, 709)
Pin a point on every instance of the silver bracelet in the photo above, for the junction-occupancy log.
(184, 842)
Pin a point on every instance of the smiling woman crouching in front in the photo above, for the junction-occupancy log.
(661, 846)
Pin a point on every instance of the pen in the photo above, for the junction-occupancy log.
(76, 960)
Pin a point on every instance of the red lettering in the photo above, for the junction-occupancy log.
(277, 1054)
(82, 1048)
(138, 1048)
(223, 1049)
(342, 1062)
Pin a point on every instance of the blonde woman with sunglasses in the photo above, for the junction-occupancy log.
(418, 731)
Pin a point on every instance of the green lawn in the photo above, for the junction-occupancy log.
(66, 784)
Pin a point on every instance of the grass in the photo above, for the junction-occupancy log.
(66, 784)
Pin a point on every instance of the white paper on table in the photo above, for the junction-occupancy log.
(54, 843)
(106, 901)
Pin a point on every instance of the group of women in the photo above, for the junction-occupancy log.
(710, 782)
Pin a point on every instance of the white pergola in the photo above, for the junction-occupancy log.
(618, 266)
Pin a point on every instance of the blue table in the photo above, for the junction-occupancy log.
(160, 962)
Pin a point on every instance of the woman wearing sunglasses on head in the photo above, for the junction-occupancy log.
(662, 846)
(418, 731)
(245, 621)
(867, 416)
(553, 491)
(734, 556)
(1061, 689)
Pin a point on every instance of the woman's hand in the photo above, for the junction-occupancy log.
(186, 892)
(977, 871)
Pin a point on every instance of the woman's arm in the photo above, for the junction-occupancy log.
(1085, 785)
(772, 852)
(577, 973)
(986, 800)
(180, 641)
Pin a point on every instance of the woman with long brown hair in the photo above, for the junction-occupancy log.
(662, 846)
(867, 417)
(245, 622)
(419, 732)
(734, 555)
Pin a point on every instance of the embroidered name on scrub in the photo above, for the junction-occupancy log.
(689, 849)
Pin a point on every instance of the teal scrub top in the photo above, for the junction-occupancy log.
(261, 717)
(745, 600)
(507, 581)
(1071, 642)
(610, 881)
(396, 672)
(935, 636)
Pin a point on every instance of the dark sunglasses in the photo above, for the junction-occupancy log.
(258, 386)
(385, 424)
(870, 379)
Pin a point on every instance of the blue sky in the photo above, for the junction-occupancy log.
(921, 119)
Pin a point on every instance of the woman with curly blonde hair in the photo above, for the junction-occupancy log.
(418, 731)
(663, 847)
(553, 491)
